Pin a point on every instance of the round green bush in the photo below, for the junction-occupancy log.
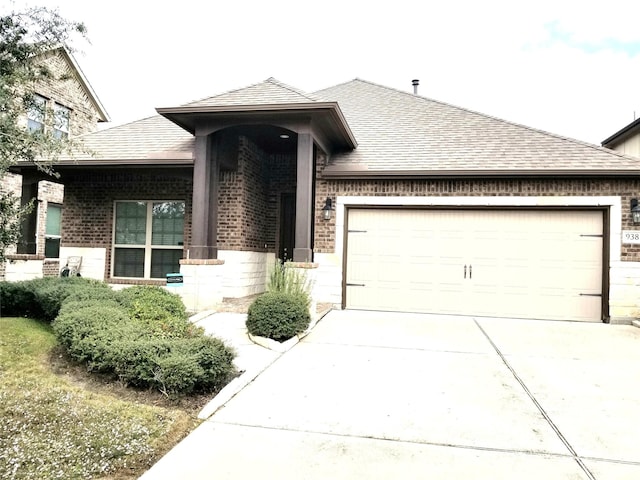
(278, 315)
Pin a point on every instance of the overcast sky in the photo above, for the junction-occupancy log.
(568, 67)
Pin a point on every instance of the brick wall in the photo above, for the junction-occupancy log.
(87, 220)
(324, 239)
(242, 201)
(65, 89)
(249, 198)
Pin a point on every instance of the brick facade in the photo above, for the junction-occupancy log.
(242, 201)
(324, 239)
(249, 199)
(248, 202)
(65, 89)
(87, 217)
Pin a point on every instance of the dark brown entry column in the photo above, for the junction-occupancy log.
(204, 217)
(304, 199)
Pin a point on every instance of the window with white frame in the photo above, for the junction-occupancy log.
(148, 238)
(36, 114)
(52, 231)
(61, 115)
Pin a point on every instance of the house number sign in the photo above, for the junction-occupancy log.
(631, 236)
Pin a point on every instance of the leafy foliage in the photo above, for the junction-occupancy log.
(158, 310)
(25, 40)
(42, 298)
(143, 336)
(284, 279)
(278, 315)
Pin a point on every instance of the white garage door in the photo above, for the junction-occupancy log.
(506, 263)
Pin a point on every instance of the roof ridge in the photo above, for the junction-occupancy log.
(502, 120)
(220, 94)
(280, 84)
(271, 80)
(337, 85)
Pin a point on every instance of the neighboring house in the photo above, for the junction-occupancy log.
(77, 110)
(626, 140)
(392, 201)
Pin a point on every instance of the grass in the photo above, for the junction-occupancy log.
(56, 422)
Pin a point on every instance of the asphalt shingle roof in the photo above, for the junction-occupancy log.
(269, 92)
(400, 131)
(153, 138)
(396, 132)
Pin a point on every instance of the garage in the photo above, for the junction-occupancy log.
(520, 263)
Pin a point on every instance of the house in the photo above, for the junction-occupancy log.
(389, 200)
(77, 110)
(625, 140)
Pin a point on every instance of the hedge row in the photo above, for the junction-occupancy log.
(141, 334)
(42, 298)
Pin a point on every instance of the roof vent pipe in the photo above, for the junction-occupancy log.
(415, 84)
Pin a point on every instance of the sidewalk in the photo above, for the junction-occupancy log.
(253, 355)
(251, 359)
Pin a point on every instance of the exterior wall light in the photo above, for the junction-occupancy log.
(635, 211)
(327, 209)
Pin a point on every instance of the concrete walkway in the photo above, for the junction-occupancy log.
(386, 395)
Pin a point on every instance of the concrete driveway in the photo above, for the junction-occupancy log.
(392, 395)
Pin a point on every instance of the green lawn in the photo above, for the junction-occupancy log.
(51, 427)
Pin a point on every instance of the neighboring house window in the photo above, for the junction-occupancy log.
(61, 117)
(148, 238)
(35, 114)
(53, 231)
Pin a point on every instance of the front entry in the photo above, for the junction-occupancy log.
(287, 226)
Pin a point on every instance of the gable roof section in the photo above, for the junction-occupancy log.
(621, 135)
(268, 102)
(269, 92)
(402, 134)
(103, 116)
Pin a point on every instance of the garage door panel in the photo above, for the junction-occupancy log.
(531, 264)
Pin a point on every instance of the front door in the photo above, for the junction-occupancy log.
(287, 226)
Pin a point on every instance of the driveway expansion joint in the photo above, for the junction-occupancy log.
(542, 411)
(539, 453)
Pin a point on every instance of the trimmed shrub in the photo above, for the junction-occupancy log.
(162, 312)
(154, 349)
(172, 366)
(101, 295)
(278, 315)
(89, 329)
(16, 299)
(42, 298)
(51, 292)
(202, 363)
(135, 361)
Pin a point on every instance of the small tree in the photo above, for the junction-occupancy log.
(24, 38)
